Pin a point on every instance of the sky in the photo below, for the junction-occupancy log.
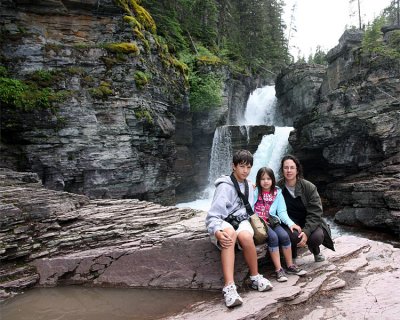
(322, 22)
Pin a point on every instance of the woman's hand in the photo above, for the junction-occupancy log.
(303, 240)
(295, 227)
(224, 239)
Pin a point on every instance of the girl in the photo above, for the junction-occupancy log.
(268, 201)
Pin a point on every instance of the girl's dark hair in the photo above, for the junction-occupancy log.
(269, 172)
(296, 161)
(242, 156)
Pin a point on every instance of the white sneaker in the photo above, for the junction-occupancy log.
(231, 296)
(260, 283)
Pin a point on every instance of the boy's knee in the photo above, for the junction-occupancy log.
(231, 232)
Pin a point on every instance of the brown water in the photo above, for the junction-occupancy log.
(80, 303)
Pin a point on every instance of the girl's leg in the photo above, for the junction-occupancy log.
(273, 248)
(285, 243)
(284, 239)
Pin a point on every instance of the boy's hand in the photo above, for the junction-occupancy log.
(224, 239)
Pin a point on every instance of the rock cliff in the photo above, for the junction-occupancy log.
(119, 125)
(349, 138)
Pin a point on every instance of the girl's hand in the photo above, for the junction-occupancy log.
(295, 227)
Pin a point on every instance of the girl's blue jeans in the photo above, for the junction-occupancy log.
(277, 237)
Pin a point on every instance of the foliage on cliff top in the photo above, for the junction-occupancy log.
(249, 35)
(374, 44)
(205, 93)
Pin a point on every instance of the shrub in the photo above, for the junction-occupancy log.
(18, 94)
(205, 91)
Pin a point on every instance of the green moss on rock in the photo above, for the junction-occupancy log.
(102, 91)
(143, 114)
(141, 78)
(123, 47)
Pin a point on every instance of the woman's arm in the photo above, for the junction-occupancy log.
(314, 209)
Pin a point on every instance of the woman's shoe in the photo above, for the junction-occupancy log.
(319, 257)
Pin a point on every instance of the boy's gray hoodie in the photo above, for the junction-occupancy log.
(225, 202)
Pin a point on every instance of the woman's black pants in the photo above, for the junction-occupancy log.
(314, 241)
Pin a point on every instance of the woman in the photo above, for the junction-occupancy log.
(304, 207)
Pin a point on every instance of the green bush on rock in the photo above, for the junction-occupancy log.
(205, 91)
(16, 93)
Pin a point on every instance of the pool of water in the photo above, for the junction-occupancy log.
(81, 303)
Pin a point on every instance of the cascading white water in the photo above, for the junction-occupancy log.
(270, 151)
(221, 153)
(260, 110)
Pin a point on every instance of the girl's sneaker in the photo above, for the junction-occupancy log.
(259, 283)
(231, 296)
(293, 269)
(281, 276)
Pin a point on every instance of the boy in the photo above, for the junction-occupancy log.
(227, 205)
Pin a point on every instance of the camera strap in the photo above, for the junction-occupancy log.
(245, 196)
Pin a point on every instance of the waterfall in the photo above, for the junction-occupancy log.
(260, 109)
(221, 154)
(270, 151)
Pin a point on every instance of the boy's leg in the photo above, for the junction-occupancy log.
(228, 258)
(249, 251)
(245, 238)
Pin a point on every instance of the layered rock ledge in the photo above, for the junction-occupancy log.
(360, 280)
(50, 238)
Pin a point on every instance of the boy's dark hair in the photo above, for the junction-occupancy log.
(243, 157)
(296, 161)
(270, 173)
